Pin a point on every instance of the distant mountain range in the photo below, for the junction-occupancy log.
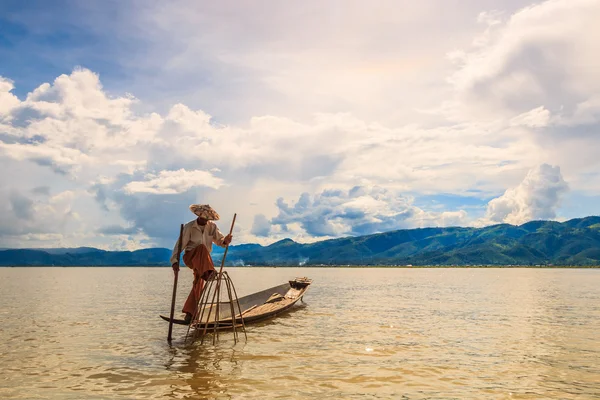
(574, 242)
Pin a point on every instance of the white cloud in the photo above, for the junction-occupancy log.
(25, 215)
(8, 101)
(586, 112)
(180, 154)
(537, 197)
(173, 182)
(62, 160)
(545, 55)
(358, 211)
(379, 62)
(536, 73)
(79, 95)
(490, 18)
(537, 118)
(316, 112)
(74, 122)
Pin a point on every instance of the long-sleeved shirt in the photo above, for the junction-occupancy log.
(195, 235)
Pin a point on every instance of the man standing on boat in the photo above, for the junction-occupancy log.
(197, 240)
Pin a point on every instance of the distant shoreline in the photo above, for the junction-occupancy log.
(535, 244)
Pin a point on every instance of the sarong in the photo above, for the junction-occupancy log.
(198, 259)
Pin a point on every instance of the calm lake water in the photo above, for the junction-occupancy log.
(94, 333)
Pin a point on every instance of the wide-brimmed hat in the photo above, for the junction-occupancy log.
(204, 211)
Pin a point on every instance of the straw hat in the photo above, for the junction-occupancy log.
(204, 211)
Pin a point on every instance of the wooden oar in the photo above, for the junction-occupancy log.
(217, 292)
(227, 247)
(169, 338)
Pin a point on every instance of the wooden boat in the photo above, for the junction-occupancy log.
(257, 306)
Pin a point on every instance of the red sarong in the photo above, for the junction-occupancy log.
(199, 260)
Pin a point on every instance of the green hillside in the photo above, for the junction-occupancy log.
(574, 242)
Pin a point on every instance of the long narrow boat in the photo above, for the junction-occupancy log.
(258, 306)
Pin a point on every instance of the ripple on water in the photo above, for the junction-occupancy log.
(364, 333)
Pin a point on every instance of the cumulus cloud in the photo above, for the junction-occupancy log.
(77, 139)
(543, 55)
(354, 58)
(524, 91)
(358, 211)
(534, 72)
(71, 123)
(24, 216)
(8, 101)
(261, 226)
(536, 197)
(173, 161)
(172, 182)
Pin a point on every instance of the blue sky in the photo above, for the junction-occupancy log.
(44, 39)
(309, 120)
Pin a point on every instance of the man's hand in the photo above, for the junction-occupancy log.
(227, 239)
(175, 267)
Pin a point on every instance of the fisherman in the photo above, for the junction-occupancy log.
(197, 239)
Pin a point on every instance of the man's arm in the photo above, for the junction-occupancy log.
(219, 239)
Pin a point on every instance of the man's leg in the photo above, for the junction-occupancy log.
(189, 308)
(201, 263)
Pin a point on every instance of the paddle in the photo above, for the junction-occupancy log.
(217, 292)
(227, 247)
(169, 338)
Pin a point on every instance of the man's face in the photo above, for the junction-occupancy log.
(202, 221)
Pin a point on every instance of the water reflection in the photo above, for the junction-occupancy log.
(204, 369)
